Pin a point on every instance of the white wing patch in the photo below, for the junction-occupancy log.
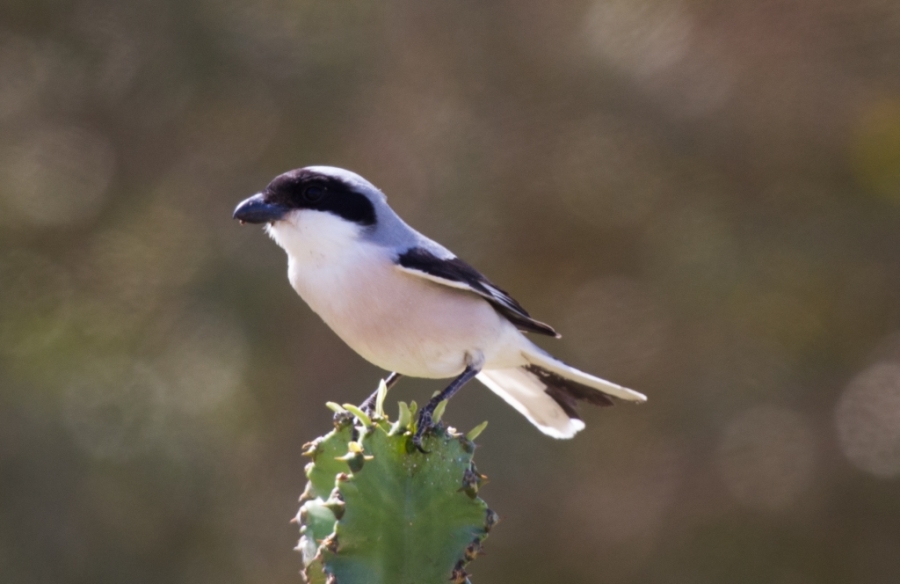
(451, 283)
(455, 273)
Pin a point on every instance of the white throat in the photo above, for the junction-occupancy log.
(328, 260)
(314, 238)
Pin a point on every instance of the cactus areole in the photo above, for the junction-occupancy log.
(377, 511)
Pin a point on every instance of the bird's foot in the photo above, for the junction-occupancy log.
(342, 418)
(424, 424)
(368, 406)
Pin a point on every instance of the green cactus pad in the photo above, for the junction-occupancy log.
(374, 512)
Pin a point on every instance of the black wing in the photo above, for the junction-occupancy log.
(456, 273)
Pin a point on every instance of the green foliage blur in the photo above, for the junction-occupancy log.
(702, 196)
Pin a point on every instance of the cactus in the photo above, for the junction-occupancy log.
(377, 511)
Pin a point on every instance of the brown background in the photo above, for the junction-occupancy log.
(702, 196)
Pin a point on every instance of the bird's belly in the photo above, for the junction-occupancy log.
(403, 323)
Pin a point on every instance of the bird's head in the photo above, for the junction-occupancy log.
(314, 206)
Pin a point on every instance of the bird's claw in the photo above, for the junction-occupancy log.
(417, 444)
(423, 425)
(341, 418)
(368, 408)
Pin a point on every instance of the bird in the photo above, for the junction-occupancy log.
(410, 306)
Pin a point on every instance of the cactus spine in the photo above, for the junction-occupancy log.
(376, 511)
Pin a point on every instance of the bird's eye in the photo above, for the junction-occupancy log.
(313, 193)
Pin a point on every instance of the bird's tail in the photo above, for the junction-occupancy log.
(546, 391)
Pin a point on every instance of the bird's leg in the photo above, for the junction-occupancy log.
(424, 420)
(368, 406)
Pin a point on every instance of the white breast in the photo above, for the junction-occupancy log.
(399, 322)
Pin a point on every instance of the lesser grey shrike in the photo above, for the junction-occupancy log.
(408, 305)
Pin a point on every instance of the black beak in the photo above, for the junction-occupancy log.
(257, 210)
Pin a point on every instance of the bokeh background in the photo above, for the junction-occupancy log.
(703, 196)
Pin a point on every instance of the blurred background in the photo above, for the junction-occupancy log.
(702, 196)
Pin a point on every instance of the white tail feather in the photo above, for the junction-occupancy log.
(544, 360)
(552, 409)
(526, 392)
